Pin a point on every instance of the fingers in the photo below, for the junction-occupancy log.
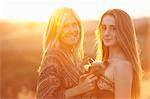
(84, 75)
(88, 84)
(91, 78)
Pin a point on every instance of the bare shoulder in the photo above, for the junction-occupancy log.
(122, 65)
(122, 70)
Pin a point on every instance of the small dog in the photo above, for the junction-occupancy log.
(97, 68)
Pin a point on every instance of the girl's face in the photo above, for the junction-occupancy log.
(108, 31)
(70, 32)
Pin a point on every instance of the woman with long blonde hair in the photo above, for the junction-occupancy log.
(61, 67)
(117, 45)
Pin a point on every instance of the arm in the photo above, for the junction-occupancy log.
(84, 86)
(49, 81)
(123, 80)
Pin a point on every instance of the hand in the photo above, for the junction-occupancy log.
(83, 77)
(87, 84)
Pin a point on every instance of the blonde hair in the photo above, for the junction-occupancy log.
(53, 33)
(126, 39)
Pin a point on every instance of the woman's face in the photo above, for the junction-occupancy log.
(108, 31)
(70, 31)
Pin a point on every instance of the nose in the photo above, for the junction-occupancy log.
(72, 29)
(106, 33)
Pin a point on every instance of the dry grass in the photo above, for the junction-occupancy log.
(26, 94)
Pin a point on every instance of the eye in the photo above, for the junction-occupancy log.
(103, 27)
(112, 28)
(66, 26)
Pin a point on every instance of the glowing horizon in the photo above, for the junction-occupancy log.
(38, 10)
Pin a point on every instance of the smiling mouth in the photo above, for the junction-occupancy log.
(74, 39)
